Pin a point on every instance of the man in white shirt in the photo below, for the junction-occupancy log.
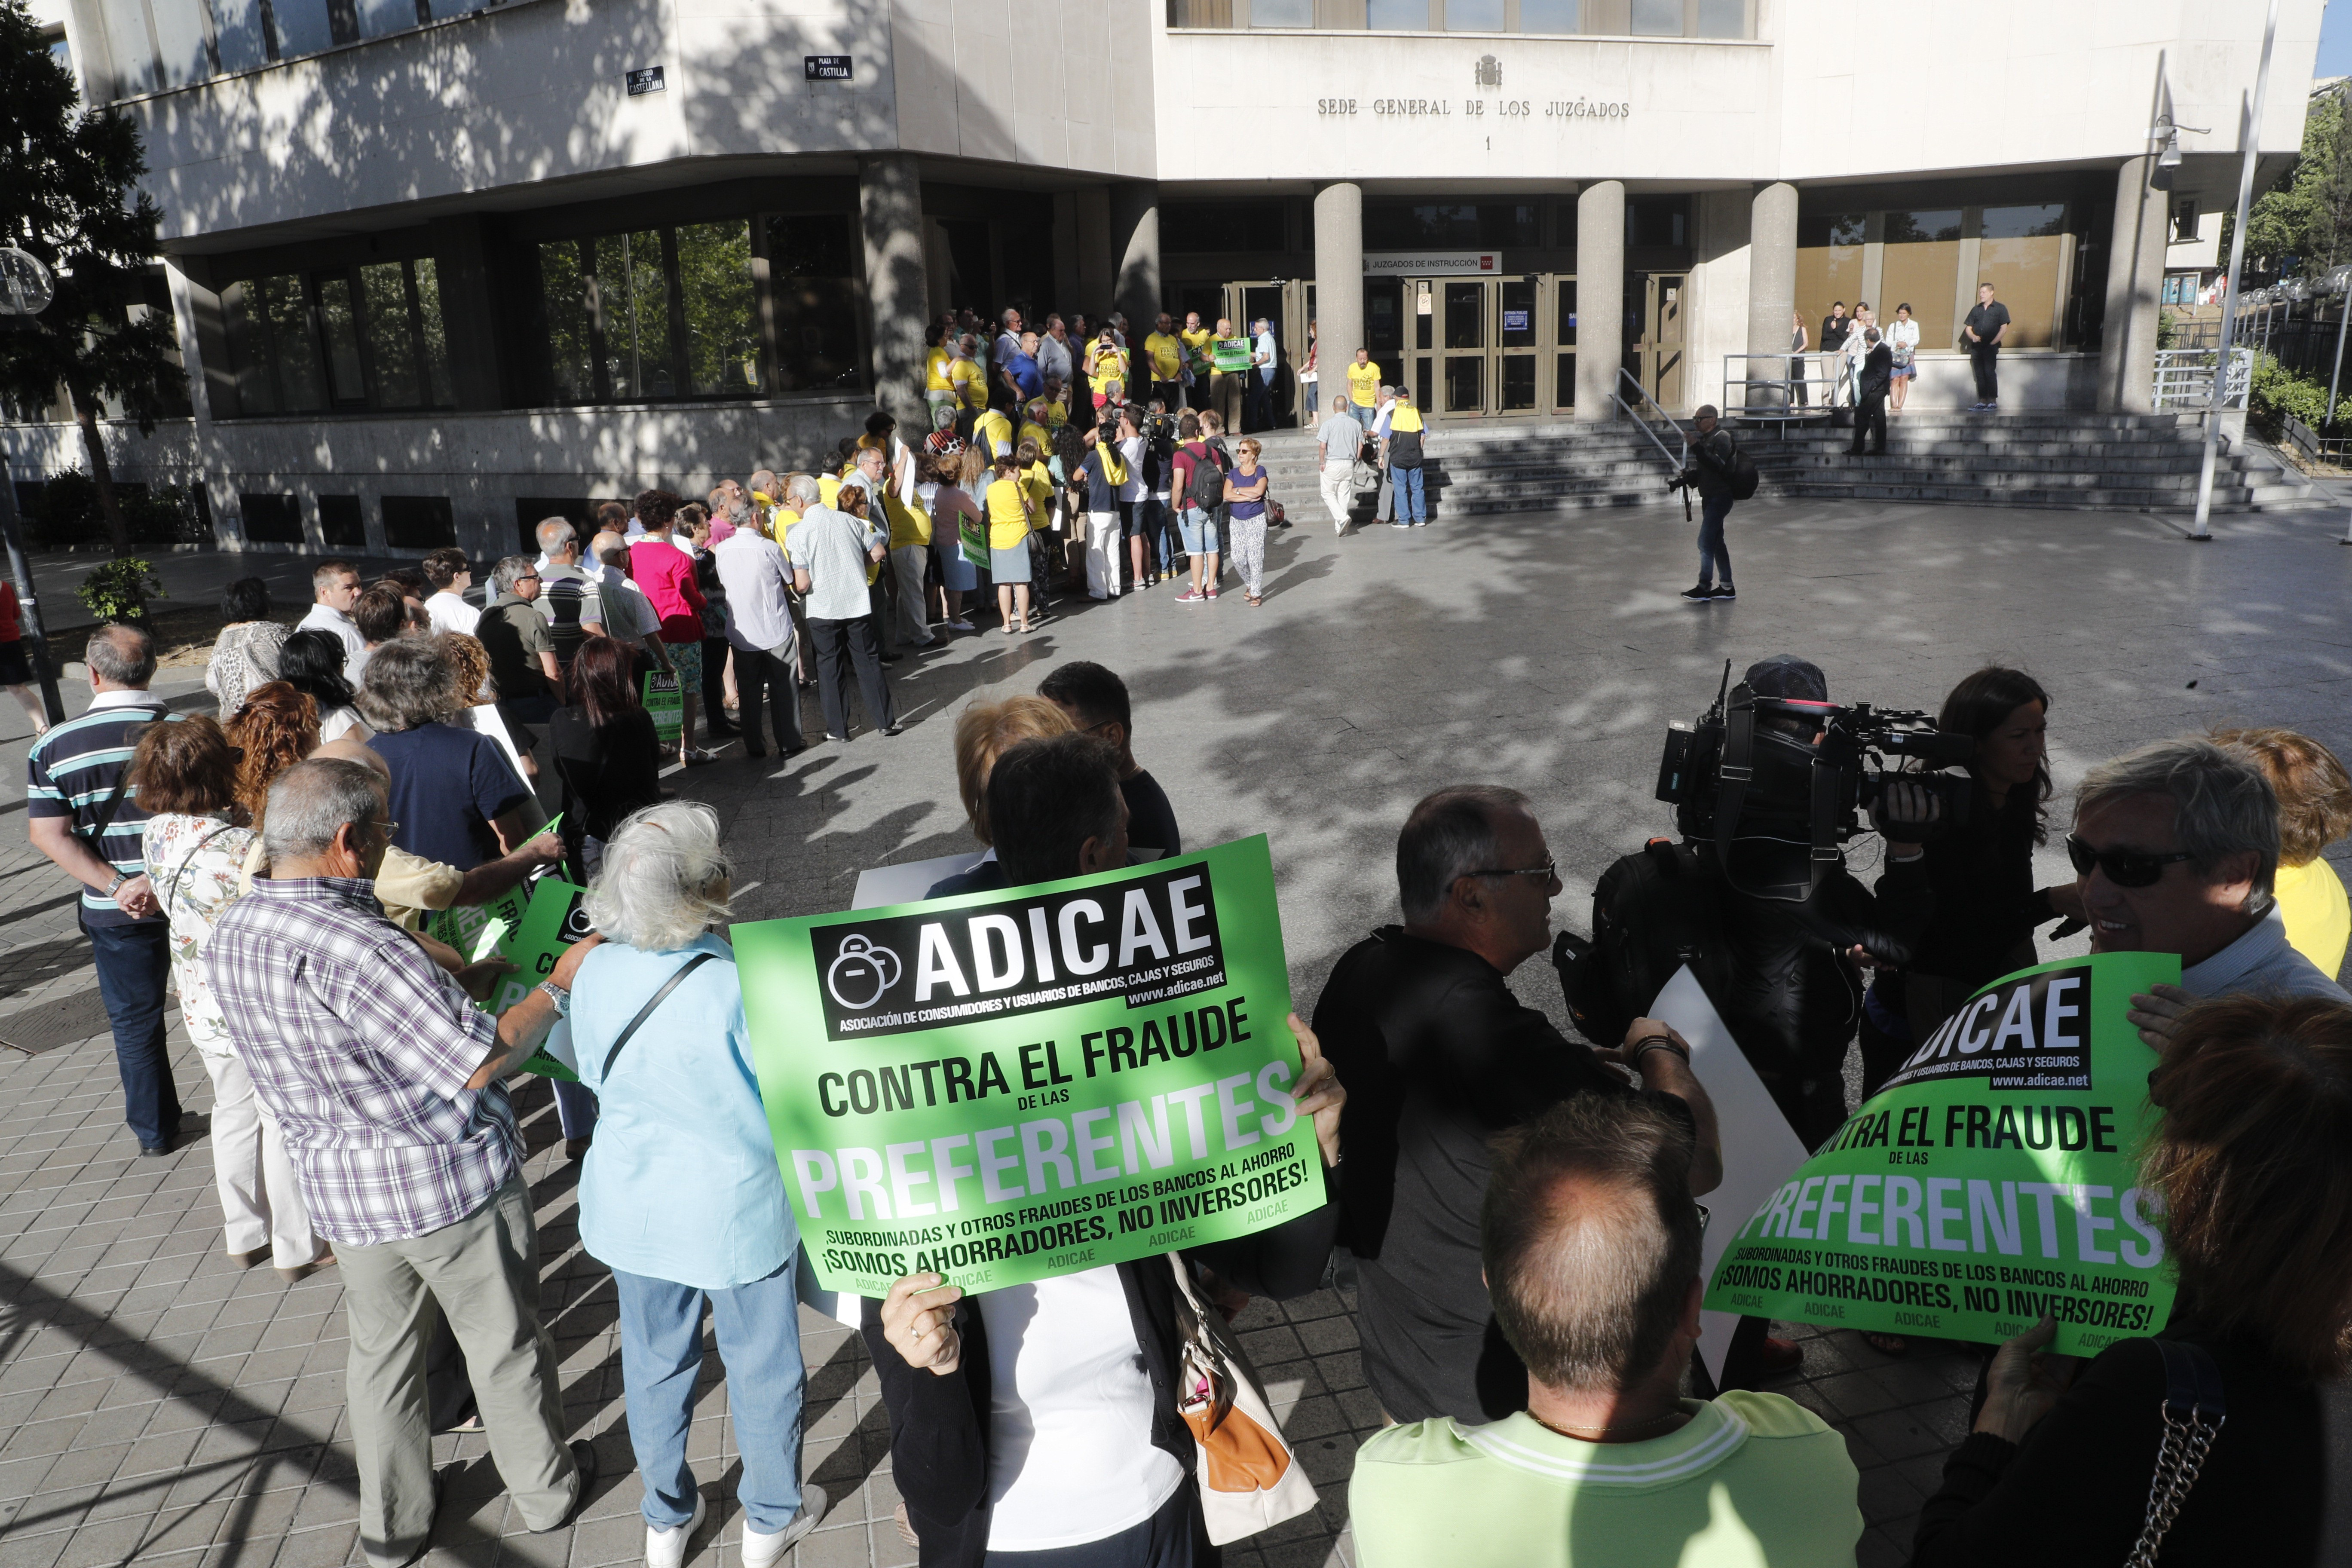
(755, 574)
(628, 614)
(1340, 438)
(336, 585)
(830, 551)
(1264, 364)
(451, 574)
(2175, 847)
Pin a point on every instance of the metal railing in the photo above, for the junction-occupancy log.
(1633, 411)
(2184, 379)
(1796, 385)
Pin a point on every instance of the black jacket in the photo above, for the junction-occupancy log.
(1877, 370)
(939, 1425)
(1711, 462)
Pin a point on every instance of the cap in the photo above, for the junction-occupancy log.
(1786, 676)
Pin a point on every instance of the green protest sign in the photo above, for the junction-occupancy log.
(477, 930)
(1006, 1086)
(971, 539)
(1993, 1179)
(666, 703)
(529, 927)
(1231, 354)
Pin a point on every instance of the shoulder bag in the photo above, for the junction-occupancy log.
(658, 997)
(2194, 1414)
(1249, 1479)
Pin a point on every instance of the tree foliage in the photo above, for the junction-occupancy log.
(2303, 224)
(68, 195)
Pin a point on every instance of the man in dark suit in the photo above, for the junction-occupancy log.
(1878, 373)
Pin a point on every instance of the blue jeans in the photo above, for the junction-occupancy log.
(1157, 526)
(759, 1330)
(575, 1108)
(134, 962)
(1412, 501)
(1713, 556)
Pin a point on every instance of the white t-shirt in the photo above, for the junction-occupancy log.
(1133, 450)
(1070, 1459)
(328, 619)
(449, 612)
(1902, 337)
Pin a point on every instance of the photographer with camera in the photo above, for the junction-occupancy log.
(1757, 898)
(1715, 465)
(1159, 431)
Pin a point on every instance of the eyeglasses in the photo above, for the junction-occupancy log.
(2124, 867)
(1548, 872)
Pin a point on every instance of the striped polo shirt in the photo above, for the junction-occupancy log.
(72, 770)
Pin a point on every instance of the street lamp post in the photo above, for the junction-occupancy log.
(25, 292)
(2248, 136)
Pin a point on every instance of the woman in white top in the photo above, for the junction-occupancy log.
(451, 574)
(184, 777)
(1309, 378)
(1857, 349)
(1902, 337)
(312, 663)
(1131, 496)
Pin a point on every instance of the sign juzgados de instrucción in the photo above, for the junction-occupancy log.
(1006, 1086)
(1993, 1179)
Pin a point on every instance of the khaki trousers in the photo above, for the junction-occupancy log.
(482, 1274)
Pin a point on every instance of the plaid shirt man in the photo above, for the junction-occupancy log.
(361, 1047)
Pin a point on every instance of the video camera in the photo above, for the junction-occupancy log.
(1763, 777)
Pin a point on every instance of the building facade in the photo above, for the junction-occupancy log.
(438, 272)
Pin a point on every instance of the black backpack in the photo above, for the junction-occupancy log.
(1653, 911)
(1741, 471)
(1207, 492)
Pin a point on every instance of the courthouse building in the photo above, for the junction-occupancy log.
(439, 272)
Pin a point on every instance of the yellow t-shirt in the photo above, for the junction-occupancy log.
(969, 380)
(997, 429)
(935, 370)
(1039, 481)
(780, 520)
(1008, 519)
(1037, 433)
(1167, 356)
(828, 489)
(909, 524)
(2319, 918)
(1364, 384)
(1056, 415)
(1105, 367)
(1196, 346)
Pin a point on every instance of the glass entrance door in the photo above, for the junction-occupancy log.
(1654, 303)
(1491, 334)
(1283, 303)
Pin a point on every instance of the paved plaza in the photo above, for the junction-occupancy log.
(158, 1405)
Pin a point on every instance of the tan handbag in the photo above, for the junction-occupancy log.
(1249, 1479)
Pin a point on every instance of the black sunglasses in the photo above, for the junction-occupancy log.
(2124, 867)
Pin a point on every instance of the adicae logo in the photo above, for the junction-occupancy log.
(862, 973)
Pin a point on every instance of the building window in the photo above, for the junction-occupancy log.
(814, 269)
(1658, 19)
(1404, 225)
(1197, 228)
(1828, 263)
(1921, 268)
(1397, 15)
(1552, 16)
(418, 522)
(157, 45)
(2024, 253)
(1722, 18)
(341, 524)
(659, 313)
(270, 519)
(1657, 222)
(351, 339)
(1474, 15)
(1282, 13)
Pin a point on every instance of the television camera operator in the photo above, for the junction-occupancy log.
(1757, 900)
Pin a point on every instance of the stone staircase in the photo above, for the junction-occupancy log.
(2112, 462)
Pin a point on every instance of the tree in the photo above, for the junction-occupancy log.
(2304, 220)
(69, 194)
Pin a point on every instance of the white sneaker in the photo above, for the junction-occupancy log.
(666, 1548)
(767, 1551)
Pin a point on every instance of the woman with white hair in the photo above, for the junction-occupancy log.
(680, 1196)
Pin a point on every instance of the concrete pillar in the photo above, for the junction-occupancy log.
(890, 218)
(1339, 284)
(1135, 245)
(2134, 280)
(203, 333)
(1599, 299)
(1771, 283)
(1097, 277)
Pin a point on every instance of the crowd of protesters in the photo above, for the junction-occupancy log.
(1521, 1208)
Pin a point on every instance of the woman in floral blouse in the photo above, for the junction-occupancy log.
(183, 774)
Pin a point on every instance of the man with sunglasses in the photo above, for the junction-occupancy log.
(2175, 847)
(1439, 1056)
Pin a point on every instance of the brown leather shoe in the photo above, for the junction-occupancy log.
(297, 1274)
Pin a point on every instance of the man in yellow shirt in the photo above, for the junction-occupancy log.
(1364, 388)
(1164, 352)
(965, 376)
(938, 388)
(1196, 338)
(993, 433)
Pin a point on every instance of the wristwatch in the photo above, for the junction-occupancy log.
(116, 886)
(557, 995)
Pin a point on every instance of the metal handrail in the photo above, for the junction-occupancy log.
(2184, 379)
(1788, 408)
(1643, 393)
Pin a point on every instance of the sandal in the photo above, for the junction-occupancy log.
(1255, 603)
(1887, 1344)
(695, 757)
